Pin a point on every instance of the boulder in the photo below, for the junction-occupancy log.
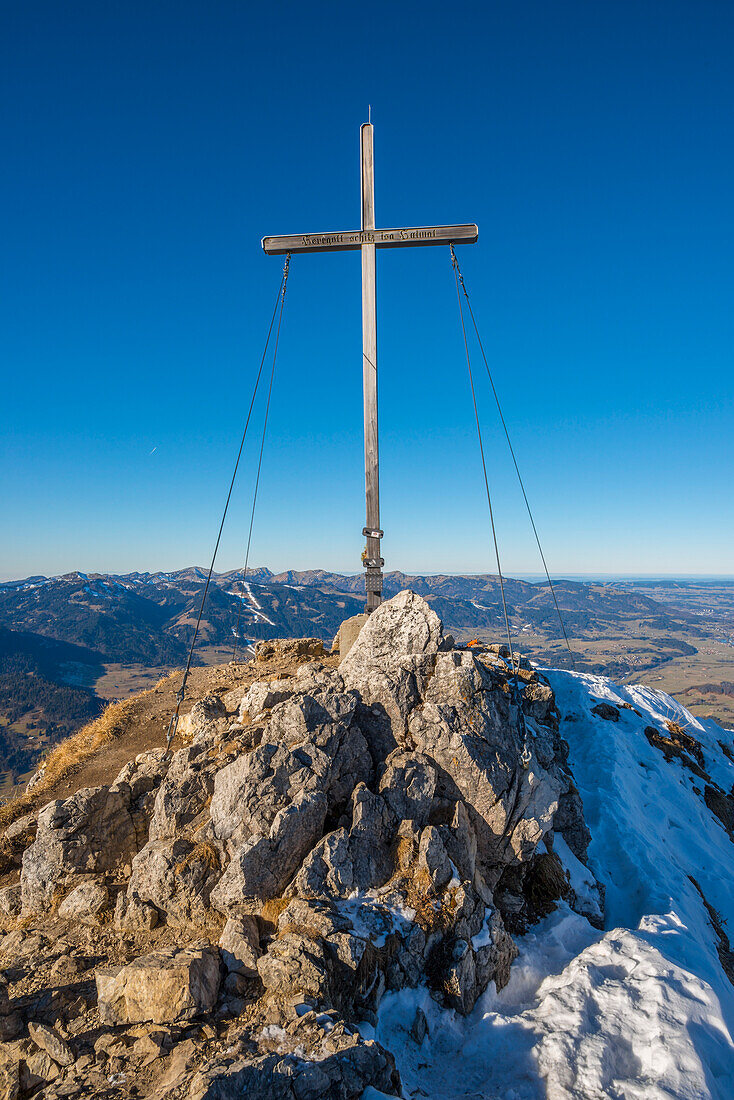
(310, 745)
(297, 964)
(460, 986)
(134, 915)
(494, 951)
(47, 1039)
(538, 701)
(11, 1024)
(200, 719)
(167, 986)
(176, 876)
(264, 696)
(347, 634)
(342, 1067)
(88, 833)
(187, 786)
(408, 785)
(142, 775)
(606, 711)
(433, 858)
(289, 649)
(390, 664)
(37, 1069)
(231, 700)
(85, 902)
(11, 900)
(22, 832)
(240, 946)
(9, 1080)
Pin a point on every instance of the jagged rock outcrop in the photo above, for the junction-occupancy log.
(90, 832)
(333, 834)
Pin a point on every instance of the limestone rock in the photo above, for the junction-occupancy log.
(47, 1039)
(143, 774)
(187, 786)
(9, 1081)
(134, 915)
(88, 833)
(538, 701)
(37, 1069)
(311, 745)
(460, 987)
(202, 715)
(10, 1022)
(419, 1027)
(289, 649)
(176, 876)
(469, 728)
(11, 900)
(22, 832)
(357, 859)
(240, 946)
(296, 964)
(262, 867)
(494, 952)
(347, 634)
(432, 856)
(342, 1068)
(85, 902)
(408, 785)
(165, 987)
(390, 664)
(231, 700)
(606, 711)
(264, 696)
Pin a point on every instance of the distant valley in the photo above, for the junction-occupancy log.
(69, 643)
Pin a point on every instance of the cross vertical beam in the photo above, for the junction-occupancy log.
(367, 240)
(373, 559)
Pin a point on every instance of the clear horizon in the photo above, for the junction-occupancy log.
(151, 147)
(510, 574)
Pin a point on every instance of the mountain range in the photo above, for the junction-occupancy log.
(150, 617)
(60, 636)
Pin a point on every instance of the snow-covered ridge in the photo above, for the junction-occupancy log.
(643, 1010)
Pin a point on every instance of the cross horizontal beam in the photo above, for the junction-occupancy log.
(381, 238)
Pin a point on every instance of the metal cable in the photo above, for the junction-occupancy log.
(260, 462)
(525, 757)
(457, 271)
(173, 724)
(484, 463)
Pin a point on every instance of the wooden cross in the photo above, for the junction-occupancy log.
(367, 240)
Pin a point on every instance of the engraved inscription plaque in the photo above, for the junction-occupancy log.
(380, 238)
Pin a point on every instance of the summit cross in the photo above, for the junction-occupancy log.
(367, 240)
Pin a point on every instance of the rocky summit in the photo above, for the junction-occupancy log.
(223, 921)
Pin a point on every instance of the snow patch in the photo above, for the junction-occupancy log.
(641, 1010)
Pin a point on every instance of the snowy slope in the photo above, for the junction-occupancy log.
(643, 1009)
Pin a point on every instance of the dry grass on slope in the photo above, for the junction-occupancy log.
(68, 755)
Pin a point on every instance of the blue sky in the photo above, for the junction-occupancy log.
(149, 146)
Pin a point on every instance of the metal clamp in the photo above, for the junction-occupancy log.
(373, 563)
(372, 533)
